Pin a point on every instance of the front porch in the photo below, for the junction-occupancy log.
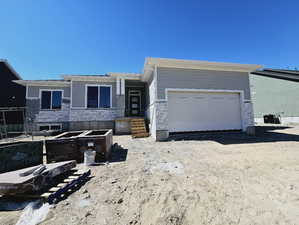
(133, 95)
(135, 98)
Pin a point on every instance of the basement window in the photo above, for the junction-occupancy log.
(46, 127)
(99, 96)
(51, 99)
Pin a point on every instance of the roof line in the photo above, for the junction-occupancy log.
(283, 71)
(276, 76)
(11, 68)
(198, 63)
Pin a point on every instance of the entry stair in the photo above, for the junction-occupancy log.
(138, 129)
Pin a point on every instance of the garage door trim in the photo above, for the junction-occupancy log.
(240, 92)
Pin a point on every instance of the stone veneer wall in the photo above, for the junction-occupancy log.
(95, 114)
(71, 118)
(35, 116)
(161, 111)
(33, 107)
(53, 116)
(248, 117)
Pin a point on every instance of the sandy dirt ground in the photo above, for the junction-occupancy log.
(208, 179)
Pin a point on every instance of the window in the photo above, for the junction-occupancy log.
(92, 97)
(99, 97)
(51, 99)
(49, 127)
(105, 97)
(42, 128)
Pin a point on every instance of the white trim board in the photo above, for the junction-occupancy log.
(58, 83)
(71, 94)
(98, 85)
(122, 86)
(199, 64)
(241, 92)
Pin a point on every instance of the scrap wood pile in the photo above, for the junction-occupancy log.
(50, 182)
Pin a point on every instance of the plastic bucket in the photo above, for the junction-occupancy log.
(89, 157)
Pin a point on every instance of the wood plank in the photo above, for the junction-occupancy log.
(80, 172)
(137, 126)
(69, 180)
(138, 129)
(46, 195)
(54, 189)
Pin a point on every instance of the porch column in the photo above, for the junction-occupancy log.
(117, 86)
(120, 97)
(122, 86)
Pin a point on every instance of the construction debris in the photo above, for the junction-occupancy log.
(72, 145)
(32, 179)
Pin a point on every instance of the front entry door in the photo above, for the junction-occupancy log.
(135, 105)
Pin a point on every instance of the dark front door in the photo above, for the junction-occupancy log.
(135, 105)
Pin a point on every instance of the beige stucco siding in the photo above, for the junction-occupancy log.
(201, 79)
(79, 95)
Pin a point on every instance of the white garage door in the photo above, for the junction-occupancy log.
(203, 111)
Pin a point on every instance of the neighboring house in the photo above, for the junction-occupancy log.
(11, 94)
(174, 95)
(275, 92)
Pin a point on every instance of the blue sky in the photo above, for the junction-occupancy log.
(45, 38)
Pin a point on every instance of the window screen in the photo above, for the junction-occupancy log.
(105, 97)
(56, 99)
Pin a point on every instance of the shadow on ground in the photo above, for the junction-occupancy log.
(263, 134)
(118, 154)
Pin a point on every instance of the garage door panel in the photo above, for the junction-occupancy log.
(191, 111)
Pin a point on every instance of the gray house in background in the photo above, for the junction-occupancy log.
(276, 92)
(174, 95)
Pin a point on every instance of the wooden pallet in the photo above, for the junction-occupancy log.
(138, 128)
(68, 185)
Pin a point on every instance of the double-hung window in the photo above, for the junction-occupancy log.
(51, 99)
(99, 96)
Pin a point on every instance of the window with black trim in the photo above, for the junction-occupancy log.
(51, 99)
(46, 127)
(98, 96)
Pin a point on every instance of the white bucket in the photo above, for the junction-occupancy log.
(89, 157)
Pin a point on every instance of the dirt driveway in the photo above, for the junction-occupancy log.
(209, 179)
